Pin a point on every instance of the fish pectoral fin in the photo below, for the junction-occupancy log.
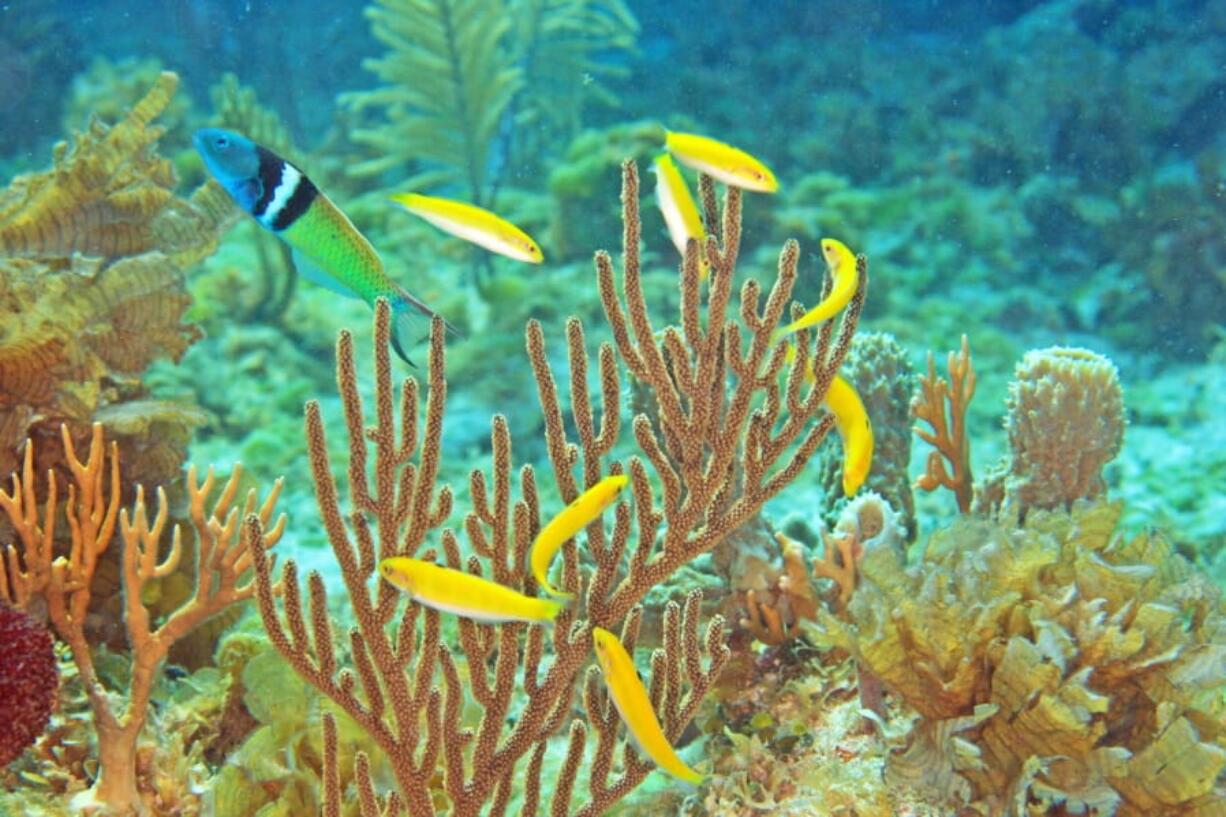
(311, 271)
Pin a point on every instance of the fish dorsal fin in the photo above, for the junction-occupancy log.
(311, 271)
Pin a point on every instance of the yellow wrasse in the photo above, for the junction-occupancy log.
(842, 265)
(474, 224)
(573, 518)
(855, 430)
(678, 207)
(852, 423)
(724, 163)
(454, 591)
(632, 702)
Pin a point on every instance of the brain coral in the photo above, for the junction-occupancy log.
(1065, 422)
(28, 681)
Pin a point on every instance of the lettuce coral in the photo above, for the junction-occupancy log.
(1055, 665)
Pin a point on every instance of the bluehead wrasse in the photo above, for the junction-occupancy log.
(678, 208)
(463, 594)
(634, 705)
(842, 265)
(722, 162)
(328, 249)
(851, 421)
(475, 224)
(573, 518)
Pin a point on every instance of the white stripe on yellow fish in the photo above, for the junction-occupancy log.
(475, 224)
(722, 162)
(678, 207)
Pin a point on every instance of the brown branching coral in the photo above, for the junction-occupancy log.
(1057, 665)
(948, 434)
(729, 438)
(33, 568)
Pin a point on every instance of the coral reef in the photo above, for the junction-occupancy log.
(107, 89)
(32, 569)
(29, 682)
(1056, 665)
(1065, 422)
(567, 51)
(730, 436)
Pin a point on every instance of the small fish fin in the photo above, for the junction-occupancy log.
(311, 271)
(408, 326)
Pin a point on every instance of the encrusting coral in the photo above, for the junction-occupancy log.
(28, 681)
(33, 569)
(1058, 665)
(730, 437)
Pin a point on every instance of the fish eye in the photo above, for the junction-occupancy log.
(221, 142)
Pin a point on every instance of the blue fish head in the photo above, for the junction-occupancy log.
(234, 160)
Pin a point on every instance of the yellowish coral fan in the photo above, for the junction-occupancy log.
(1056, 665)
(93, 254)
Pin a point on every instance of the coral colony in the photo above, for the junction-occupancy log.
(599, 552)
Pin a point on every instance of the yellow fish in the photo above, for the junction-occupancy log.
(632, 702)
(724, 163)
(855, 430)
(677, 206)
(842, 265)
(852, 423)
(573, 518)
(463, 594)
(474, 224)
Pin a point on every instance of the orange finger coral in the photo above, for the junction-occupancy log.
(948, 434)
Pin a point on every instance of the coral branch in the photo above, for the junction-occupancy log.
(725, 444)
(93, 514)
(948, 434)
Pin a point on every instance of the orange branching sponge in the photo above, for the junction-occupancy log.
(1057, 667)
(773, 614)
(948, 435)
(32, 567)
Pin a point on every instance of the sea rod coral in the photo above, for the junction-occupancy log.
(731, 433)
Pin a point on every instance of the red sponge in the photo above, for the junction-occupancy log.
(28, 681)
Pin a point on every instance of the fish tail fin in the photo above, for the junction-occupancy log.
(550, 609)
(407, 322)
